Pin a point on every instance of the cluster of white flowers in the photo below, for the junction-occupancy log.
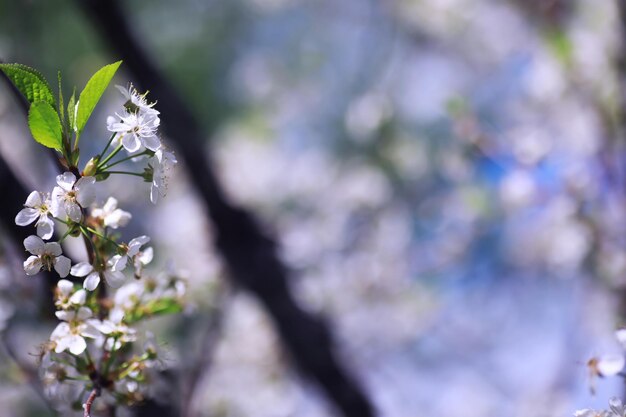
(68, 205)
(100, 339)
(65, 204)
(136, 129)
(92, 346)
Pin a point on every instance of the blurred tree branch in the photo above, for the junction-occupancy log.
(203, 359)
(250, 255)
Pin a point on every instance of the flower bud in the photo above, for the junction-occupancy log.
(91, 167)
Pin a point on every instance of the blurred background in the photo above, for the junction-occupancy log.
(444, 180)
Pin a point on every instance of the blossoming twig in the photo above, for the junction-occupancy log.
(93, 343)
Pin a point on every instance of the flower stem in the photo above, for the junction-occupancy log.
(106, 148)
(124, 160)
(111, 155)
(111, 358)
(88, 356)
(100, 235)
(93, 253)
(137, 174)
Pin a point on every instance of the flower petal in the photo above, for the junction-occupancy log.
(79, 298)
(117, 218)
(124, 91)
(116, 315)
(137, 242)
(81, 269)
(62, 265)
(65, 315)
(73, 211)
(34, 199)
(56, 202)
(45, 227)
(66, 180)
(32, 265)
(85, 191)
(92, 281)
(104, 327)
(151, 142)
(89, 330)
(146, 256)
(118, 262)
(114, 278)
(59, 332)
(52, 248)
(65, 287)
(84, 313)
(110, 205)
(131, 142)
(34, 245)
(26, 216)
(76, 344)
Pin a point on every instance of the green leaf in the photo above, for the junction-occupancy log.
(162, 306)
(93, 91)
(30, 82)
(45, 125)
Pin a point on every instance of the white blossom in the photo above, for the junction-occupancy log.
(71, 195)
(82, 314)
(37, 207)
(92, 277)
(161, 163)
(67, 297)
(59, 383)
(72, 337)
(139, 258)
(128, 296)
(138, 100)
(118, 333)
(46, 256)
(110, 215)
(70, 334)
(135, 130)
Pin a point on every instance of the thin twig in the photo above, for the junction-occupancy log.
(87, 406)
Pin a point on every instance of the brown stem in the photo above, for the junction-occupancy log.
(87, 406)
